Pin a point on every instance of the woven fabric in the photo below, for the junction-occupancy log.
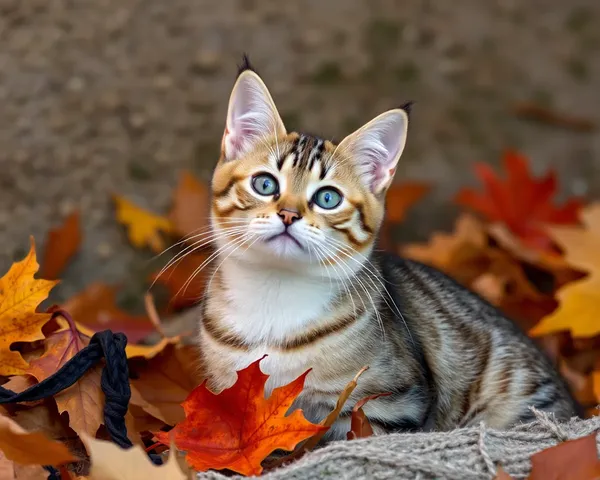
(468, 453)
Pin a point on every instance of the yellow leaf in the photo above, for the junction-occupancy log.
(579, 302)
(20, 295)
(110, 462)
(143, 227)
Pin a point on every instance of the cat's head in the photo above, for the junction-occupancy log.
(292, 199)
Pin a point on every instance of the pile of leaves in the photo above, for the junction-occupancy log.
(535, 260)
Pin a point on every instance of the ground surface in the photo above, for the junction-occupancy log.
(120, 95)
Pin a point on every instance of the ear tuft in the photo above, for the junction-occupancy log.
(245, 65)
(407, 107)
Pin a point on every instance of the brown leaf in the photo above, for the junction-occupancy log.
(191, 205)
(359, 424)
(400, 197)
(10, 470)
(30, 448)
(571, 460)
(541, 114)
(62, 243)
(96, 308)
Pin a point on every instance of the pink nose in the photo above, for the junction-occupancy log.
(288, 216)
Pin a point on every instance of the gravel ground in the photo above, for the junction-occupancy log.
(118, 96)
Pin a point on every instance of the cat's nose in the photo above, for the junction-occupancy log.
(288, 216)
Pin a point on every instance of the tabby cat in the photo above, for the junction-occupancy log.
(294, 220)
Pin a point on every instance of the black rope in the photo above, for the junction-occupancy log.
(114, 383)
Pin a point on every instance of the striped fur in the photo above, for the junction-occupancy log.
(323, 298)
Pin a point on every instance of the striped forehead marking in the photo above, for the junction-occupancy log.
(305, 152)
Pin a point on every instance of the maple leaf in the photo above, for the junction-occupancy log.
(238, 428)
(61, 245)
(359, 424)
(143, 227)
(521, 202)
(191, 206)
(400, 197)
(96, 309)
(110, 462)
(30, 448)
(84, 401)
(20, 295)
(10, 470)
(579, 301)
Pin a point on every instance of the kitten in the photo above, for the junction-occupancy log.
(295, 220)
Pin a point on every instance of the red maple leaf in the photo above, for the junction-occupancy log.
(238, 428)
(521, 202)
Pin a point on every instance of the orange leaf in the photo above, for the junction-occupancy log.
(579, 302)
(84, 401)
(10, 470)
(400, 197)
(30, 448)
(20, 295)
(96, 309)
(238, 428)
(189, 214)
(571, 460)
(359, 423)
(143, 227)
(521, 202)
(184, 280)
(62, 244)
(596, 382)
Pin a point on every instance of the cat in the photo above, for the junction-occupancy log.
(294, 220)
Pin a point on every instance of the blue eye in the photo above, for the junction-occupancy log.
(265, 184)
(328, 198)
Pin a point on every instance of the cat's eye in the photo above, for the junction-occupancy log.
(327, 198)
(265, 184)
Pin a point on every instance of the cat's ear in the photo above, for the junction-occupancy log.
(251, 116)
(376, 148)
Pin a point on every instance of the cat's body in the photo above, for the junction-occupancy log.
(295, 220)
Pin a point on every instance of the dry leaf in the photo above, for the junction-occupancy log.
(571, 460)
(20, 295)
(150, 351)
(238, 428)
(400, 197)
(579, 302)
(359, 424)
(61, 245)
(191, 206)
(110, 462)
(96, 309)
(143, 227)
(84, 401)
(10, 470)
(30, 448)
(521, 202)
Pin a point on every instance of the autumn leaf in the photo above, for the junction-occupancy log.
(574, 459)
(61, 245)
(185, 280)
(83, 401)
(20, 295)
(110, 462)
(190, 210)
(522, 202)
(502, 475)
(163, 383)
(238, 428)
(10, 470)
(579, 301)
(400, 197)
(359, 424)
(143, 227)
(96, 309)
(30, 448)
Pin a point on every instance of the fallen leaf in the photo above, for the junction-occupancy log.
(110, 462)
(160, 385)
(143, 227)
(596, 383)
(190, 211)
(83, 401)
(579, 301)
(400, 197)
(359, 424)
(30, 448)
(521, 202)
(541, 114)
(96, 309)
(184, 279)
(238, 428)
(10, 470)
(150, 351)
(61, 245)
(20, 295)
(570, 460)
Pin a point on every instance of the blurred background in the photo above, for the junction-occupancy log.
(119, 96)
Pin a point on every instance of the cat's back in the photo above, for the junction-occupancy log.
(484, 366)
